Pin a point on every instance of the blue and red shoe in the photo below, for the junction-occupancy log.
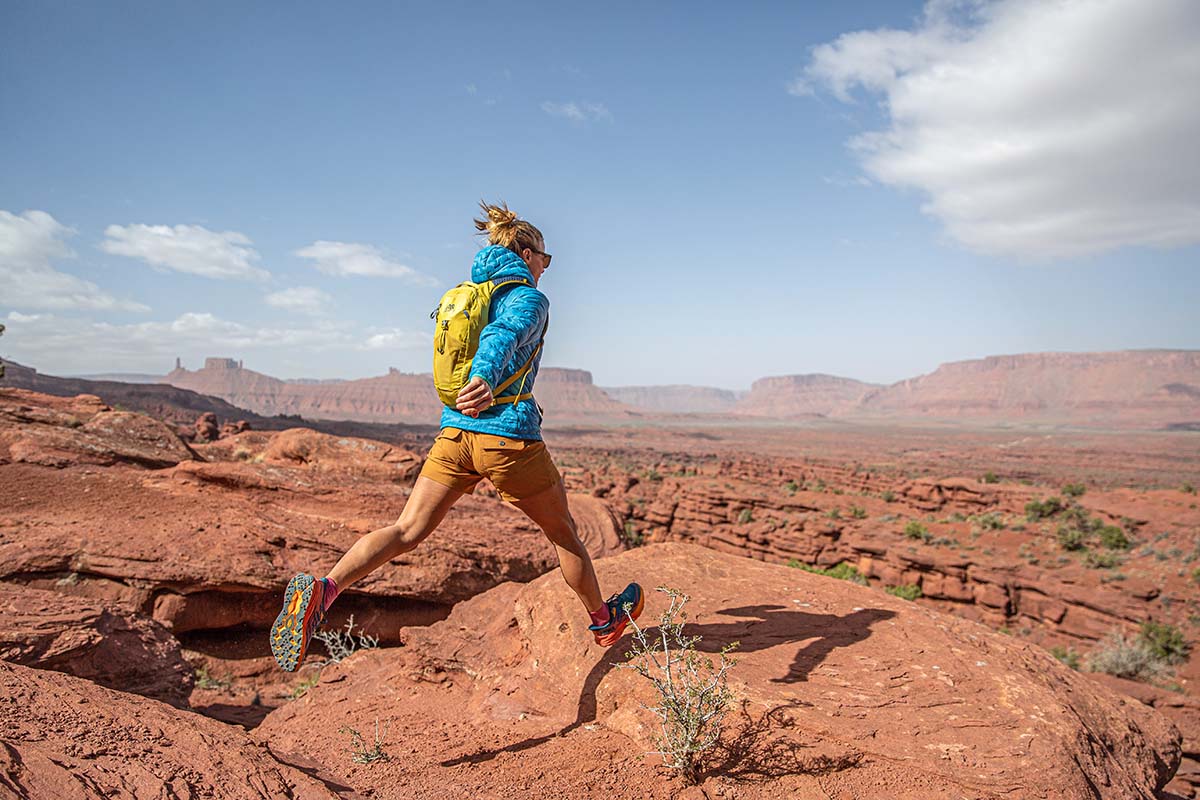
(608, 633)
(302, 615)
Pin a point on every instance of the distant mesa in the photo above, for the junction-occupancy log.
(803, 396)
(395, 397)
(676, 399)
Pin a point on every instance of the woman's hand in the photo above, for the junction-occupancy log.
(476, 396)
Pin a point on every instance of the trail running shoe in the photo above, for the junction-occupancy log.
(303, 613)
(608, 633)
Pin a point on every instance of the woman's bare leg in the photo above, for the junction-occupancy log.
(548, 509)
(425, 509)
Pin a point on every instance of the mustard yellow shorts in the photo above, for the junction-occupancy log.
(518, 468)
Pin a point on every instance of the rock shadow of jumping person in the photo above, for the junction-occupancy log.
(769, 626)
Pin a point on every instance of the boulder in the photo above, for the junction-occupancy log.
(101, 642)
(69, 739)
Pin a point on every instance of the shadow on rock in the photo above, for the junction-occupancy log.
(771, 626)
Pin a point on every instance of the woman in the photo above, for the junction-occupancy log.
(483, 436)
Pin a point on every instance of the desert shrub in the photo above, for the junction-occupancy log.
(990, 477)
(834, 513)
(889, 496)
(915, 530)
(990, 521)
(1196, 575)
(340, 645)
(1114, 538)
(653, 475)
(1102, 560)
(1124, 657)
(693, 694)
(1165, 641)
(1071, 538)
(791, 487)
(1066, 655)
(1187, 488)
(908, 591)
(745, 516)
(631, 536)
(858, 512)
(1074, 490)
(360, 753)
(843, 571)
(1041, 509)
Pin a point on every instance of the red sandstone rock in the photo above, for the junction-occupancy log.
(97, 641)
(206, 428)
(599, 528)
(69, 739)
(58, 432)
(896, 700)
(301, 446)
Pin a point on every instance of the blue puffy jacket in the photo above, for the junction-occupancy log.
(515, 323)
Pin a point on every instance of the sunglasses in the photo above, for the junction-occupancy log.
(544, 255)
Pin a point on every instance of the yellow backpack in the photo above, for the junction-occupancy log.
(461, 317)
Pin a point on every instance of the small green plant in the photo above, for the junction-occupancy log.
(631, 536)
(1114, 538)
(1066, 655)
(1041, 509)
(791, 487)
(990, 521)
(908, 591)
(858, 512)
(1102, 560)
(205, 680)
(745, 516)
(889, 496)
(306, 684)
(1071, 538)
(1165, 641)
(693, 694)
(1074, 490)
(653, 475)
(360, 753)
(1187, 488)
(340, 645)
(990, 477)
(915, 530)
(1196, 575)
(842, 571)
(834, 513)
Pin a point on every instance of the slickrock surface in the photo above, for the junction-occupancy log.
(98, 641)
(841, 690)
(57, 432)
(69, 739)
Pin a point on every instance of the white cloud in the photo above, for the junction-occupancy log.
(577, 112)
(304, 299)
(396, 339)
(72, 344)
(1037, 129)
(350, 258)
(186, 248)
(28, 244)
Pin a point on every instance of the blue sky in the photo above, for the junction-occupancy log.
(729, 191)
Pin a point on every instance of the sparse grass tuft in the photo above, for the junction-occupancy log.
(360, 753)
(1066, 655)
(1074, 490)
(340, 645)
(745, 516)
(1042, 509)
(842, 571)
(915, 530)
(990, 477)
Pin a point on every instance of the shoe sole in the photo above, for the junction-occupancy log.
(289, 641)
(610, 638)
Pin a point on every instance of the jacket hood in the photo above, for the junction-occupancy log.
(495, 262)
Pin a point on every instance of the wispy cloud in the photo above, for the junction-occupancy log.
(577, 112)
(29, 243)
(74, 344)
(1035, 129)
(350, 258)
(396, 339)
(190, 249)
(305, 299)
